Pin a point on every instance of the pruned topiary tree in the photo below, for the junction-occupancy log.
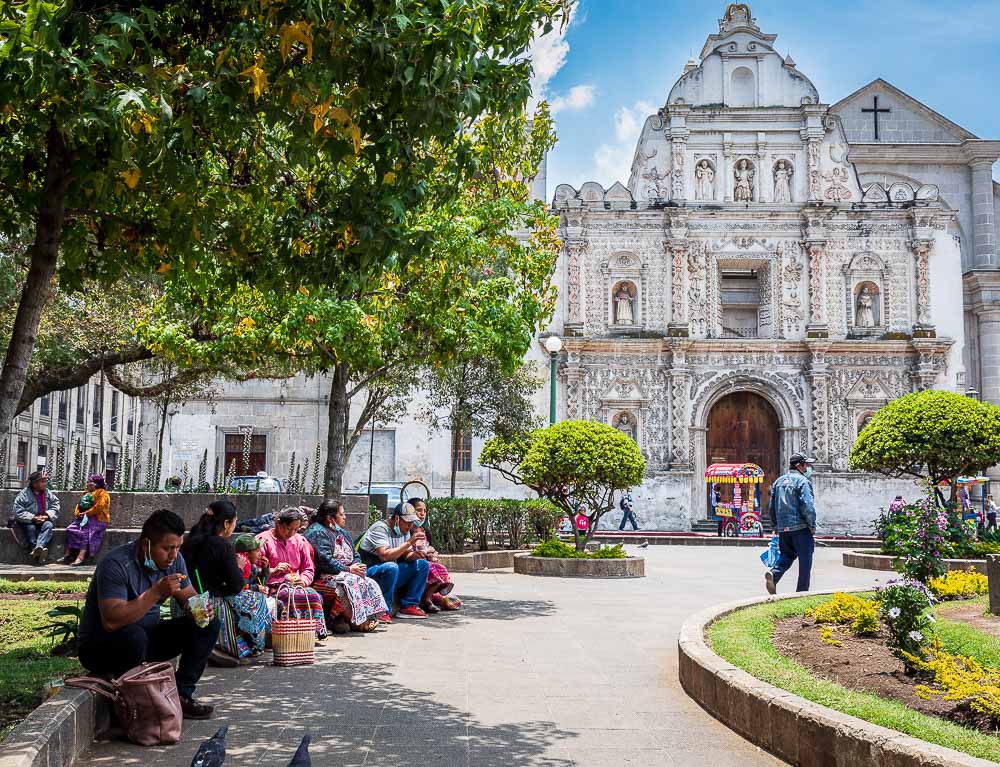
(570, 463)
(933, 435)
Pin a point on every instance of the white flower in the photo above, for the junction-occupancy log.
(916, 636)
(894, 612)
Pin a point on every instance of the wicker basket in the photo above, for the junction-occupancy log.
(293, 638)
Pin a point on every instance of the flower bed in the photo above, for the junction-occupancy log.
(864, 675)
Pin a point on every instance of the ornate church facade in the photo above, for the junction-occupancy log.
(776, 270)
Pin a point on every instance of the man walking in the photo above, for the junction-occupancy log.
(628, 515)
(793, 516)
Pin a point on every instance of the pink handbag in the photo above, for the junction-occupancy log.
(146, 701)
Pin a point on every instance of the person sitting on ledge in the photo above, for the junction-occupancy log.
(85, 534)
(292, 568)
(341, 578)
(439, 583)
(121, 628)
(35, 511)
(388, 550)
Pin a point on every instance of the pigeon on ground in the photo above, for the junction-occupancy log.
(301, 758)
(212, 753)
(644, 544)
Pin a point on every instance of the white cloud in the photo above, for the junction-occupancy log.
(613, 161)
(579, 97)
(548, 54)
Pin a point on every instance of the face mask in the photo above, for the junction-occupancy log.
(395, 530)
(808, 472)
(148, 563)
(419, 523)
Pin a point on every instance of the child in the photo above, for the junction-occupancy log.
(255, 571)
(582, 520)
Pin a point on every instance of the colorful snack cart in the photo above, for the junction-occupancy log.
(734, 498)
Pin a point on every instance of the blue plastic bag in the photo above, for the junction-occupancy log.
(770, 557)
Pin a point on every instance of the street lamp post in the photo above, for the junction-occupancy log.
(553, 344)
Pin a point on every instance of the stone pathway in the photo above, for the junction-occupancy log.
(533, 671)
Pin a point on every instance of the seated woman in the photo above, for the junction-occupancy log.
(292, 568)
(340, 576)
(254, 570)
(244, 619)
(85, 533)
(439, 583)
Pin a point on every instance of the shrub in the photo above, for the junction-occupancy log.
(489, 522)
(959, 584)
(923, 552)
(543, 518)
(985, 548)
(846, 609)
(960, 679)
(448, 520)
(553, 548)
(904, 610)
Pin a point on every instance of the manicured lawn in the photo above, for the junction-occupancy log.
(43, 587)
(25, 663)
(960, 638)
(744, 639)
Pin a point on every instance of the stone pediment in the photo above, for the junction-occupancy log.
(624, 390)
(907, 122)
(868, 389)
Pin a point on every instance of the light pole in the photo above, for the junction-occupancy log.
(553, 344)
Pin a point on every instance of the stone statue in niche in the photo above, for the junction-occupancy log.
(782, 182)
(743, 174)
(704, 181)
(624, 306)
(625, 426)
(864, 314)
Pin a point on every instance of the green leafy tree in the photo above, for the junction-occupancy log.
(934, 435)
(570, 463)
(477, 398)
(277, 144)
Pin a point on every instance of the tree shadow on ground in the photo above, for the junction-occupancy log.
(485, 608)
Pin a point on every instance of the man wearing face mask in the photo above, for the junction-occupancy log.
(793, 516)
(389, 552)
(121, 628)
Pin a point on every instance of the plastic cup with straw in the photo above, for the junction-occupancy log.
(198, 604)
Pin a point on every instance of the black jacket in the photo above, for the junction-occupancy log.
(213, 558)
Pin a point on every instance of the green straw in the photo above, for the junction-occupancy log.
(198, 578)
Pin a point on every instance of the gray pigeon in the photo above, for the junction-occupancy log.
(212, 753)
(301, 758)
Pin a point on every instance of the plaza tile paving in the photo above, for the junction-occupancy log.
(533, 671)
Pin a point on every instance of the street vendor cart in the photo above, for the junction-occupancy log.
(734, 498)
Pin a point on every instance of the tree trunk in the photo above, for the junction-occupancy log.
(102, 458)
(163, 428)
(455, 433)
(336, 438)
(44, 257)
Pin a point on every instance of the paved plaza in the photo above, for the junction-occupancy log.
(533, 671)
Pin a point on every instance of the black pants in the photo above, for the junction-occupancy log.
(118, 651)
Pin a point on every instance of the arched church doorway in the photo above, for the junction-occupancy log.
(743, 428)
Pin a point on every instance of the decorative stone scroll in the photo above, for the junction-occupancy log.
(921, 252)
(574, 310)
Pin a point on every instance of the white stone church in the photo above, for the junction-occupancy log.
(775, 270)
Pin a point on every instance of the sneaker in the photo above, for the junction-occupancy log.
(430, 609)
(222, 659)
(769, 582)
(412, 612)
(385, 618)
(194, 709)
(36, 553)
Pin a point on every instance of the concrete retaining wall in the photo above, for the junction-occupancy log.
(630, 567)
(793, 728)
(475, 561)
(56, 732)
(884, 562)
(993, 573)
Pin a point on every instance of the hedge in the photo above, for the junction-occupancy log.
(488, 522)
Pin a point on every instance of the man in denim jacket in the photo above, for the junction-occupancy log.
(35, 511)
(793, 515)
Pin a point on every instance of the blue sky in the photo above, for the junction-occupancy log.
(618, 59)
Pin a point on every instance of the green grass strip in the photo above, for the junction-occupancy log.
(43, 587)
(745, 640)
(959, 638)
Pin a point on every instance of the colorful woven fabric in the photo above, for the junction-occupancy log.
(306, 602)
(244, 622)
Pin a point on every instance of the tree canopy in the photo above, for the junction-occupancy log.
(937, 435)
(280, 145)
(569, 463)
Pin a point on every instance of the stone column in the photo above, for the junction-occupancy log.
(818, 376)
(818, 326)
(726, 168)
(678, 291)
(983, 216)
(680, 386)
(921, 250)
(575, 313)
(989, 352)
(993, 573)
(678, 141)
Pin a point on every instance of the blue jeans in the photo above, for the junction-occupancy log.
(797, 544)
(409, 579)
(38, 534)
(628, 516)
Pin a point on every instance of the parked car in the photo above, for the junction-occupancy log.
(258, 483)
(391, 489)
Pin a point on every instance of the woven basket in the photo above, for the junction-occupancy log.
(293, 638)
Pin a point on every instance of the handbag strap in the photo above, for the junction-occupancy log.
(100, 686)
(292, 609)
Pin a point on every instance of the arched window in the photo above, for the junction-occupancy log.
(742, 92)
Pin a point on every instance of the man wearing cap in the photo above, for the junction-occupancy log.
(35, 511)
(793, 516)
(388, 551)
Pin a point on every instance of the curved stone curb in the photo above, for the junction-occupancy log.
(55, 733)
(630, 567)
(793, 728)
(883, 562)
(475, 561)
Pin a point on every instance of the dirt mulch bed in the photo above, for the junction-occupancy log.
(865, 664)
(974, 614)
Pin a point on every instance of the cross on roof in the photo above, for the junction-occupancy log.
(874, 112)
